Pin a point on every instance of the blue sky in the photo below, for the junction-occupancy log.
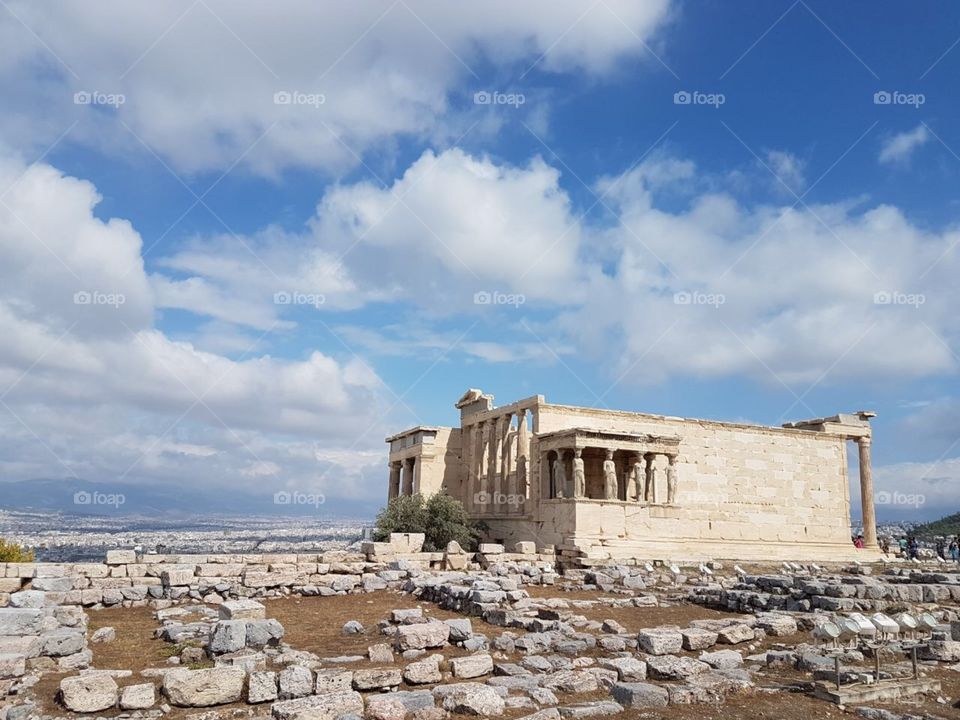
(804, 201)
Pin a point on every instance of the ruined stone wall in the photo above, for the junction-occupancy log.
(746, 492)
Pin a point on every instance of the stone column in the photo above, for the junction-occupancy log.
(407, 486)
(671, 479)
(506, 456)
(394, 480)
(523, 455)
(866, 493)
(650, 479)
(483, 463)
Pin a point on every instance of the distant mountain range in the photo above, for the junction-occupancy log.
(83, 497)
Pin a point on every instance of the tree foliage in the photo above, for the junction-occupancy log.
(439, 517)
(11, 552)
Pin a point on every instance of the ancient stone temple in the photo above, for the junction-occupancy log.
(622, 485)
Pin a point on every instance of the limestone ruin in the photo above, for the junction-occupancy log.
(615, 485)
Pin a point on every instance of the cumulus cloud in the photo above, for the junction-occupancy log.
(83, 364)
(900, 147)
(451, 229)
(309, 84)
(719, 288)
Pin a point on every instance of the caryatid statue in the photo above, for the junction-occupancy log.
(579, 476)
(559, 476)
(671, 479)
(610, 489)
(634, 480)
(650, 480)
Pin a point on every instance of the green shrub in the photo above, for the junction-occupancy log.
(11, 552)
(439, 517)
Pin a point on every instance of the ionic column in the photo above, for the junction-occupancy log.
(866, 493)
(671, 479)
(523, 454)
(394, 480)
(407, 485)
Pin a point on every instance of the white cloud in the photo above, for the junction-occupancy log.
(778, 294)
(789, 171)
(199, 79)
(900, 147)
(451, 226)
(94, 389)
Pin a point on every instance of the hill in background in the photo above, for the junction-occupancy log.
(949, 525)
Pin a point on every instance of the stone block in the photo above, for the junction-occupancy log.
(121, 557)
(21, 621)
(227, 636)
(422, 636)
(12, 666)
(472, 666)
(633, 695)
(262, 687)
(735, 634)
(138, 697)
(376, 679)
(320, 707)
(242, 609)
(526, 547)
(296, 681)
(660, 641)
(332, 680)
(490, 549)
(698, 638)
(203, 688)
(89, 693)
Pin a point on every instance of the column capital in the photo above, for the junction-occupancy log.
(865, 440)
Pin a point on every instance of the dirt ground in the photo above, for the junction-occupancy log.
(314, 624)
